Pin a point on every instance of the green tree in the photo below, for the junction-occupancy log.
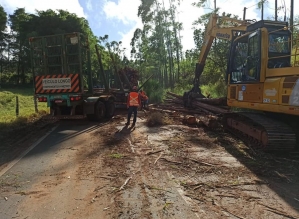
(3, 40)
(156, 47)
(20, 52)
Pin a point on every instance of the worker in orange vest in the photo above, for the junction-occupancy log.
(144, 99)
(133, 103)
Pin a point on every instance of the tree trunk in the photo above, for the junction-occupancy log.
(176, 39)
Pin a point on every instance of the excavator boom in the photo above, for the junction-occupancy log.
(220, 27)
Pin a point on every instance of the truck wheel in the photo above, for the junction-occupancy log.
(110, 108)
(100, 111)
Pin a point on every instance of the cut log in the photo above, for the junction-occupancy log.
(213, 101)
(208, 121)
(190, 120)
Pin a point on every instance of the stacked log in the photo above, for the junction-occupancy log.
(205, 111)
(222, 101)
(131, 74)
(209, 106)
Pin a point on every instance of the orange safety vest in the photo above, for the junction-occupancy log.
(143, 95)
(134, 99)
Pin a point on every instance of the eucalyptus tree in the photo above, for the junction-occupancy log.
(3, 40)
(177, 27)
(148, 44)
(3, 20)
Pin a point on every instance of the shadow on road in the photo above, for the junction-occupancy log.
(279, 170)
(65, 131)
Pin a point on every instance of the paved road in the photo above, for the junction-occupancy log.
(54, 155)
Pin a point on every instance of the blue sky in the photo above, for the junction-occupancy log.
(105, 17)
(118, 18)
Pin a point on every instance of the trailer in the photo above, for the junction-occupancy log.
(61, 66)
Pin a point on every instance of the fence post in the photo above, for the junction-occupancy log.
(35, 104)
(17, 106)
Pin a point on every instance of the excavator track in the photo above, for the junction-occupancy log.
(263, 132)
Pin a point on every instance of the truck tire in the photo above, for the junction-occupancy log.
(99, 111)
(110, 108)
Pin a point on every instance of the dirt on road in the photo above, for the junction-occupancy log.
(167, 171)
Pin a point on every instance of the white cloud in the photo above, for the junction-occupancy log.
(72, 6)
(89, 5)
(187, 15)
(126, 12)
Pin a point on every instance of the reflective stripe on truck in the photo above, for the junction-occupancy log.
(68, 83)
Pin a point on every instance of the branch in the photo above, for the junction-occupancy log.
(126, 182)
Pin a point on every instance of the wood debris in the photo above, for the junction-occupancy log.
(158, 158)
(125, 183)
(153, 152)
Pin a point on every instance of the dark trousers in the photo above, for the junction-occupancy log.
(132, 109)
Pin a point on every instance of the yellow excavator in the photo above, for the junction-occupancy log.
(262, 75)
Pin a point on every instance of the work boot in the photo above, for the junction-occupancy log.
(133, 124)
(128, 123)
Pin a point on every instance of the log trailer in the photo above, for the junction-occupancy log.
(61, 66)
(262, 76)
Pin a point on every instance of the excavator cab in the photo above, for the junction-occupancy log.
(245, 59)
(264, 46)
(249, 52)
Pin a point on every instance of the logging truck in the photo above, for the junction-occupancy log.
(61, 66)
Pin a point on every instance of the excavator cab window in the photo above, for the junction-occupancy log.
(253, 60)
(245, 66)
(279, 49)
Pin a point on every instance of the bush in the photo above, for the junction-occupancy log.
(155, 119)
(218, 89)
(154, 91)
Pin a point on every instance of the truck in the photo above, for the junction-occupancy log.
(262, 77)
(61, 66)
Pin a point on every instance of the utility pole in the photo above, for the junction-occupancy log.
(215, 5)
(275, 10)
(244, 14)
(285, 11)
(292, 16)
(262, 10)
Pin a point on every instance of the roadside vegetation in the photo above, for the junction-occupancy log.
(27, 113)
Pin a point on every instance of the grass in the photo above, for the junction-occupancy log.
(116, 155)
(26, 106)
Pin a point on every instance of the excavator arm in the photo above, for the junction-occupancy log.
(218, 27)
